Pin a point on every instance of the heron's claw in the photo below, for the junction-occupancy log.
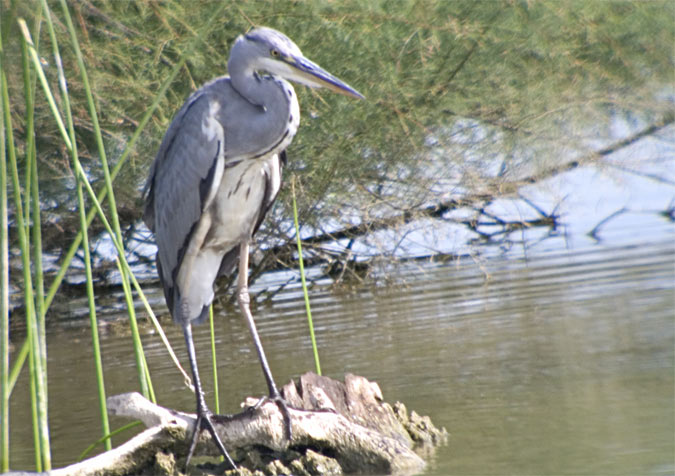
(204, 423)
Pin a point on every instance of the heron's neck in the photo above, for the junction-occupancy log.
(278, 114)
(251, 86)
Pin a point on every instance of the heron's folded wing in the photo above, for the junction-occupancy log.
(182, 179)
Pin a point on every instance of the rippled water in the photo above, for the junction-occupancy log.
(559, 364)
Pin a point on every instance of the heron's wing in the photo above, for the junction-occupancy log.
(182, 181)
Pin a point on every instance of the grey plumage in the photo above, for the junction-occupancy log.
(217, 172)
(208, 143)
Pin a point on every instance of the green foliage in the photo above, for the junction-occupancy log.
(533, 71)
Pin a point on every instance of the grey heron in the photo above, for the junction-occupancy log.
(215, 176)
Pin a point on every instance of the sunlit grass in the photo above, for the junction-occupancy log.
(4, 281)
(31, 349)
(37, 366)
(301, 266)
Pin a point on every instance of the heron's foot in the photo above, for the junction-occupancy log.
(204, 422)
(283, 408)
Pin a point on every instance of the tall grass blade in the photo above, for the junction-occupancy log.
(32, 200)
(4, 284)
(107, 437)
(65, 97)
(134, 281)
(304, 282)
(214, 361)
(102, 194)
(39, 397)
(19, 360)
(112, 206)
(34, 412)
(141, 363)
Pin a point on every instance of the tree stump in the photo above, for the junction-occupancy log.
(338, 428)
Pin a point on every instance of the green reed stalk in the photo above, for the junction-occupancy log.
(107, 437)
(161, 92)
(97, 198)
(91, 300)
(214, 361)
(125, 270)
(4, 284)
(39, 398)
(112, 206)
(33, 206)
(23, 242)
(134, 281)
(58, 279)
(32, 220)
(34, 412)
(103, 193)
(304, 283)
(19, 359)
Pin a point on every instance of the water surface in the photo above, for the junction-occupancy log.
(561, 363)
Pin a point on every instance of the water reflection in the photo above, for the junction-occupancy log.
(560, 364)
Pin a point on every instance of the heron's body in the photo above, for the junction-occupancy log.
(222, 188)
(215, 176)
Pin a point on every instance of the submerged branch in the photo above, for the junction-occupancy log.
(650, 130)
(477, 200)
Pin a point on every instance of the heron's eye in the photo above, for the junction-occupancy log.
(275, 53)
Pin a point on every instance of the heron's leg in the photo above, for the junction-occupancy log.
(203, 412)
(244, 304)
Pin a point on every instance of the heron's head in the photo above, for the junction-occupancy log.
(265, 49)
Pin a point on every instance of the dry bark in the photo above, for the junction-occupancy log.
(338, 427)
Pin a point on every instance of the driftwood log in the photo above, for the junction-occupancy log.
(338, 427)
